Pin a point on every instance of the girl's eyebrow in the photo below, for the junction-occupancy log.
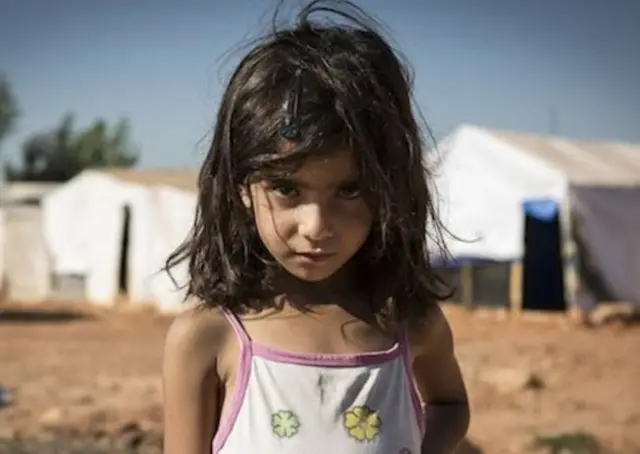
(275, 180)
(285, 181)
(280, 180)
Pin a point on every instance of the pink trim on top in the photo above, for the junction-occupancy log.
(229, 417)
(236, 324)
(326, 359)
(408, 368)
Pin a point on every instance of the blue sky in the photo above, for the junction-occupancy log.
(498, 63)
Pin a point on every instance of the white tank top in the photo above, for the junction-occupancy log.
(285, 402)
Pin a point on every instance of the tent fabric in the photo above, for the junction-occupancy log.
(584, 163)
(26, 270)
(171, 221)
(184, 180)
(482, 178)
(610, 225)
(83, 226)
(481, 184)
(82, 223)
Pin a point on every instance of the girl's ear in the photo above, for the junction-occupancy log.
(245, 196)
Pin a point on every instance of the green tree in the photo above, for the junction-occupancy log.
(8, 108)
(62, 153)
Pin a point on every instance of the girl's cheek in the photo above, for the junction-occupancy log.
(356, 213)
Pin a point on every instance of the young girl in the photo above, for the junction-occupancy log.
(317, 328)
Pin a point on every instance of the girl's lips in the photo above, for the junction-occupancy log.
(314, 256)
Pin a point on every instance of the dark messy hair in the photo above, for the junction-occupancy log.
(354, 92)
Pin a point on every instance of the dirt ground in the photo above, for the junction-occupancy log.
(90, 382)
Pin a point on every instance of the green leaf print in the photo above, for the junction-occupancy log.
(285, 423)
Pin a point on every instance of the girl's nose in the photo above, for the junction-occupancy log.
(314, 223)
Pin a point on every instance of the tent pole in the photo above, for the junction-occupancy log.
(515, 287)
(569, 254)
(467, 285)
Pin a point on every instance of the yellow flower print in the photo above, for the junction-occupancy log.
(362, 423)
(285, 423)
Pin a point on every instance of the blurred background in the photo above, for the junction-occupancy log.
(105, 113)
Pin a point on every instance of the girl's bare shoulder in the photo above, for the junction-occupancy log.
(432, 331)
(197, 337)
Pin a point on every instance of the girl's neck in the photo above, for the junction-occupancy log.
(340, 291)
(296, 292)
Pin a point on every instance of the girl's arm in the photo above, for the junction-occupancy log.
(441, 385)
(191, 381)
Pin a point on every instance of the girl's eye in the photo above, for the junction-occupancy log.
(349, 192)
(285, 190)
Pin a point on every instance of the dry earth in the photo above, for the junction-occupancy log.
(90, 382)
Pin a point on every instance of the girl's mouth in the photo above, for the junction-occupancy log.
(314, 257)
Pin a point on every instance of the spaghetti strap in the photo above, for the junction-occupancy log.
(405, 348)
(238, 328)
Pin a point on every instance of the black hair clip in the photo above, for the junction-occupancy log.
(291, 128)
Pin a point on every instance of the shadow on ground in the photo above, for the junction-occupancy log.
(626, 320)
(25, 315)
(569, 443)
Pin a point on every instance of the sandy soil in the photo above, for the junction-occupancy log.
(90, 382)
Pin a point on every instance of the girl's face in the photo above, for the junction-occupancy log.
(314, 220)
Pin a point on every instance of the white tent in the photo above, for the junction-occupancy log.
(26, 272)
(111, 230)
(172, 212)
(24, 261)
(484, 176)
